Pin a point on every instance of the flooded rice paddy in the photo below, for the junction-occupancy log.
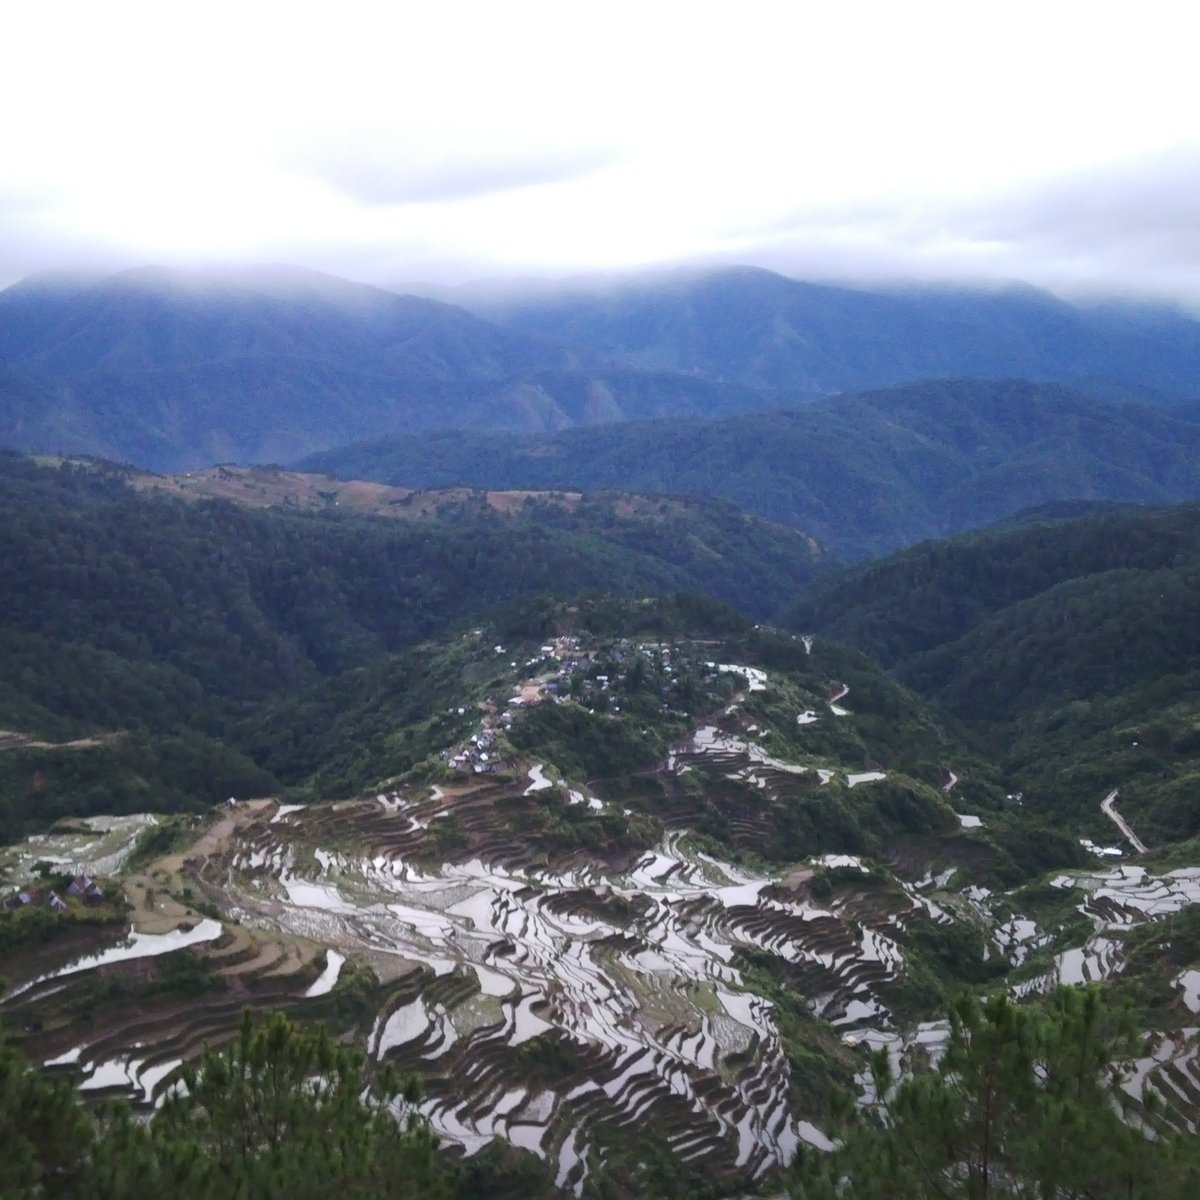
(556, 1006)
(633, 972)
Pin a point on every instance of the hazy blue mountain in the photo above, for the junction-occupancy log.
(154, 318)
(864, 474)
(754, 326)
(173, 370)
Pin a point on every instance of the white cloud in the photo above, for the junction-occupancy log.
(388, 140)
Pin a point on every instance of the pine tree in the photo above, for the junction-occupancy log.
(1025, 1104)
(44, 1134)
(286, 1112)
(283, 1113)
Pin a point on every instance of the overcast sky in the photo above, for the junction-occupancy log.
(1057, 143)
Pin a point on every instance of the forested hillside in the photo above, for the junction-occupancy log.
(743, 560)
(163, 621)
(864, 474)
(1072, 644)
(932, 594)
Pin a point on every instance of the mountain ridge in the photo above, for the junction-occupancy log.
(864, 473)
(756, 326)
(174, 369)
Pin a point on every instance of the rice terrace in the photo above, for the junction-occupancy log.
(562, 953)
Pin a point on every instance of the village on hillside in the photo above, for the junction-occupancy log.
(599, 678)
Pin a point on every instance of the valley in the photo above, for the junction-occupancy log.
(599, 603)
(524, 761)
(566, 955)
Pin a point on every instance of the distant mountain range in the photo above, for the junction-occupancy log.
(755, 327)
(174, 370)
(864, 474)
(171, 370)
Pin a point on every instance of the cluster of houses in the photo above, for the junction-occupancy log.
(82, 887)
(567, 671)
(478, 754)
(662, 669)
(563, 670)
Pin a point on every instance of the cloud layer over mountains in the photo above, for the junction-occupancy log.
(928, 141)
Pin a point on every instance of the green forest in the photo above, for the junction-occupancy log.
(163, 654)
(1069, 646)
(864, 474)
(171, 632)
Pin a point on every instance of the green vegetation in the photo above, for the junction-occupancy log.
(822, 1066)
(138, 772)
(720, 550)
(192, 651)
(283, 1112)
(891, 724)
(927, 599)
(587, 745)
(638, 1163)
(1156, 955)
(864, 474)
(33, 925)
(1026, 1101)
(1069, 647)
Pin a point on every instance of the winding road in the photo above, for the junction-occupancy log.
(1106, 807)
